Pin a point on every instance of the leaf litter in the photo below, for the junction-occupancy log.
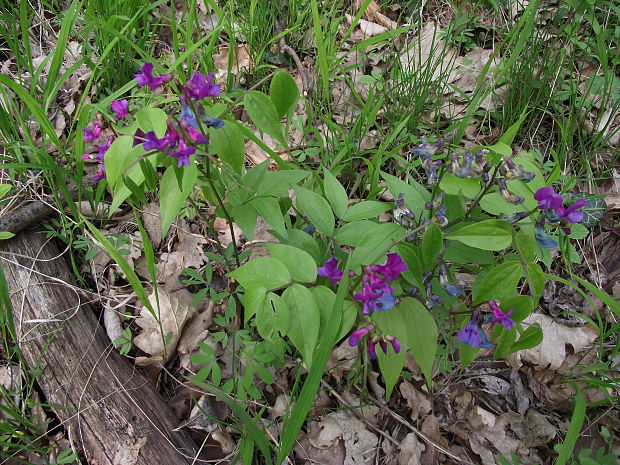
(459, 418)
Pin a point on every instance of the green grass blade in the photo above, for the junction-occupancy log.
(574, 430)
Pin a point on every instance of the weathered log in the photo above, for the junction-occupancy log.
(113, 411)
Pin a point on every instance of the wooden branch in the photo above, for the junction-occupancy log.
(112, 411)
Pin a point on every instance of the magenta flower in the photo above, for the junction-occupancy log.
(93, 134)
(548, 199)
(572, 213)
(152, 142)
(358, 334)
(183, 153)
(100, 173)
(330, 270)
(103, 149)
(194, 135)
(146, 78)
(393, 267)
(501, 317)
(199, 87)
(120, 108)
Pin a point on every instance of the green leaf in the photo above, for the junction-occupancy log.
(499, 283)
(316, 209)
(303, 241)
(421, 335)
(300, 264)
(120, 155)
(352, 233)
(521, 305)
(325, 299)
(495, 204)
(526, 245)
(593, 211)
(531, 337)
(574, 430)
(432, 243)
(374, 244)
(175, 197)
(335, 193)
(4, 235)
(269, 209)
(366, 209)
(152, 119)
(486, 235)
(536, 279)
(4, 189)
(262, 111)
(461, 253)
(267, 272)
(272, 316)
(276, 182)
(245, 217)
(416, 195)
(503, 344)
(391, 364)
(228, 143)
(284, 92)
(305, 320)
(453, 185)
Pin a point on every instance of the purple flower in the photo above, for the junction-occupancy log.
(451, 289)
(472, 334)
(395, 343)
(183, 153)
(548, 199)
(152, 142)
(393, 267)
(512, 198)
(425, 150)
(514, 171)
(440, 215)
(100, 173)
(376, 294)
(103, 149)
(188, 115)
(358, 334)
(194, 135)
(371, 348)
(146, 78)
(198, 87)
(120, 108)
(501, 317)
(330, 270)
(515, 217)
(211, 121)
(572, 213)
(543, 239)
(93, 134)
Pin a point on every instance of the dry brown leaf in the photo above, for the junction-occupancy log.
(410, 450)
(241, 60)
(127, 452)
(359, 443)
(151, 219)
(552, 350)
(418, 402)
(428, 50)
(194, 333)
(223, 231)
(172, 315)
(311, 455)
(372, 13)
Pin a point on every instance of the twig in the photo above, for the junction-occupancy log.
(35, 212)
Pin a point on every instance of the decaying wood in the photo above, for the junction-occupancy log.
(112, 410)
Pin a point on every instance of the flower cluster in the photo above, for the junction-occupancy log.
(181, 137)
(377, 295)
(373, 340)
(473, 335)
(552, 205)
(426, 152)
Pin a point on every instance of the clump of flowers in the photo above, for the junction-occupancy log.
(553, 210)
(373, 340)
(473, 335)
(377, 295)
(182, 132)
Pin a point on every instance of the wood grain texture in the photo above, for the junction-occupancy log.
(113, 412)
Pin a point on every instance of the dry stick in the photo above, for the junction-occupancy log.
(35, 212)
(398, 418)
